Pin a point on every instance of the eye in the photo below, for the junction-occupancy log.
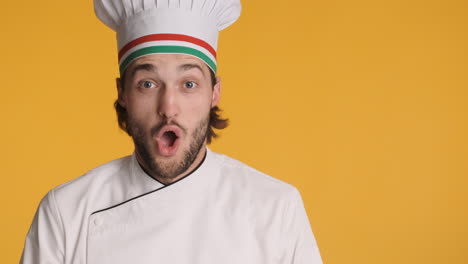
(190, 84)
(146, 84)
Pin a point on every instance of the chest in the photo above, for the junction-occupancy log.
(191, 231)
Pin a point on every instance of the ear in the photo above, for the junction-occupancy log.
(120, 92)
(216, 92)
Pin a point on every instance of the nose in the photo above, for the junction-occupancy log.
(168, 106)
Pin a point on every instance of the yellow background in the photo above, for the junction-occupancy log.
(362, 105)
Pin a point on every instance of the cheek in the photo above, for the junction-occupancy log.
(141, 108)
(197, 107)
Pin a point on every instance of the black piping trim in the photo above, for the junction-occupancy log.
(154, 179)
(141, 195)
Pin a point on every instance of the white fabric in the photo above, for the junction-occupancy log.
(223, 212)
(202, 19)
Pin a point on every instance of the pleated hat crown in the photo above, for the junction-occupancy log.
(167, 26)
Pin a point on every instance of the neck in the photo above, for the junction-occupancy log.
(166, 181)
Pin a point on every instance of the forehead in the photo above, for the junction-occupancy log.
(164, 61)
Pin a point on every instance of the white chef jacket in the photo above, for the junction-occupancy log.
(223, 212)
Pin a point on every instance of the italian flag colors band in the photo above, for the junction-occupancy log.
(167, 43)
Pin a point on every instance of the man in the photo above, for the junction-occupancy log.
(173, 200)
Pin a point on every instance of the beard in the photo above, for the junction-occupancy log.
(155, 166)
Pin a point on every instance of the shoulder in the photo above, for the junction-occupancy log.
(250, 181)
(268, 203)
(99, 176)
(95, 189)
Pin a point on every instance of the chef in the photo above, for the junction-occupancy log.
(173, 201)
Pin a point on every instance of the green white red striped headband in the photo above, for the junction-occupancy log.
(167, 43)
(170, 26)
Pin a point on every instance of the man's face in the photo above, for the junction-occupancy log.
(168, 98)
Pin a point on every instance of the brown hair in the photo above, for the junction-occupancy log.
(216, 122)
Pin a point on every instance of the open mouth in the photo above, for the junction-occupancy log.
(168, 140)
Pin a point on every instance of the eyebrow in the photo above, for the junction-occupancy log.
(145, 67)
(189, 66)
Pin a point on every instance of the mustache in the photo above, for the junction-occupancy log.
(156, 128)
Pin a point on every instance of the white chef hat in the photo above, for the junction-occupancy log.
(167, 26)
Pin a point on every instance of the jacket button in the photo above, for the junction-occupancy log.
(97, 221)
